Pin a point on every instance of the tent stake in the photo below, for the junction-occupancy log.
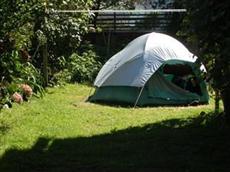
(138, 97)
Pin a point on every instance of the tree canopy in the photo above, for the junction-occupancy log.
(206, 28)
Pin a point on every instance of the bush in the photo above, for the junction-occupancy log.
(83, 68)
(14, 72)
(31, 76)
(60, 78)
(10, 65)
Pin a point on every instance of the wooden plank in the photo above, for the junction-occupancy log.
(122, 27)
(134, 18)
(135, 31)
(129, 15)
(133, 22)
(140, 26)
(122, 11)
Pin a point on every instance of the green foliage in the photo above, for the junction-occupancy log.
(16, 31)
(5, 94)
(33, 23)
(17, 19)
(28, 25)
(206, 28)
(31, 76)
(13, 72)
(83, 67)
(13, 69)
(211, 43)
(114, 4)
(64, 31)
(10, 66)
(60, 78)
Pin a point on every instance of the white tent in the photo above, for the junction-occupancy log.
(137, 62)
(137, 65)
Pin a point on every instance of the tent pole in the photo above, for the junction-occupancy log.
(138, 97)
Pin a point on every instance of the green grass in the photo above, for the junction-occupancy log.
(62, 132)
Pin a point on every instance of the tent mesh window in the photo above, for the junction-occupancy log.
(182, 76)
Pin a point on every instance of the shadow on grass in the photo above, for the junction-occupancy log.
(132, 105)
(196, 144)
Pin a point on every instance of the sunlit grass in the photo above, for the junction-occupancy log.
(63, 113)
(63, 119)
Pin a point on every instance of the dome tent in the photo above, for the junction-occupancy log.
(138, 74)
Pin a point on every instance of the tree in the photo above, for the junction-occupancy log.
(30, 23)
(111, 4)
(207, 27)
(114, 4)
(26, 29)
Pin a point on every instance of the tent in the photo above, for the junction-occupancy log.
(153, 69)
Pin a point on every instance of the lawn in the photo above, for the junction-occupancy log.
(61, 132)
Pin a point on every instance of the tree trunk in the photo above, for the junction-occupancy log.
(225, 95)
(45, 64)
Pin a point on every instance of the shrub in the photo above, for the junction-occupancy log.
(10, 66)
(31, 76)
(83, 68)
(14, 72)
(60, 78)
